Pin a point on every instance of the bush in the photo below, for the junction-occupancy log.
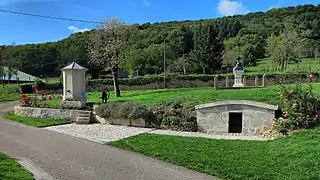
(174, 116)
(301, 108)
(40, 85)
(125, 110)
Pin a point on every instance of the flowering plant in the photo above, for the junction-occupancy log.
(301, 108)
(25, 99)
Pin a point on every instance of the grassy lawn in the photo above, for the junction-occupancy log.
(191, 97)
(294, 157)
(7, 92)
(36, 122)
(11, 170)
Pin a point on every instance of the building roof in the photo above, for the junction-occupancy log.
(237, 102)
(21, 75)
(75, 66)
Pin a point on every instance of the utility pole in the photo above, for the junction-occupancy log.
(164, 64)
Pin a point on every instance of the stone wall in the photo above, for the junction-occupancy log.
(214, 118)
(46, 113)
(98, 85)
(158, 85)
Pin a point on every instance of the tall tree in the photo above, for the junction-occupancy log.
(9, 63)
(208, 48)
(107, 45)
(285, 48)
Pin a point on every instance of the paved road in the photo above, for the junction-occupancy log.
(64, 157)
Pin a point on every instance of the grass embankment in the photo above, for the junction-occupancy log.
(8, 92)
(36, 122)
(11, 170)
(294, 157)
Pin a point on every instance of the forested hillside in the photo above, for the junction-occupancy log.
(286, 35)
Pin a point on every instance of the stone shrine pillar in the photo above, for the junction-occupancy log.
(74, 86)
(215, 82)
(264, 80)
(238, 73)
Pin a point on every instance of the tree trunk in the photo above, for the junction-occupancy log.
(184, 70)
(204, 70)
(116, 82)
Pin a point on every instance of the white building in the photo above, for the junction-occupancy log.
(18, 76)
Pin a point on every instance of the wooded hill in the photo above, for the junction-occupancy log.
(191, 46)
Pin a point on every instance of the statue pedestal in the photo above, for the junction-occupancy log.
(238, 78)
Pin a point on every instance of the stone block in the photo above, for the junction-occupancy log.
(125, 122)
(42, 112)
(138, 122)
(115, 121)
(73, 104)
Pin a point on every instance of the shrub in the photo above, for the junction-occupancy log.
(174, 116)
(25, 99)
(126, 110)
(300, 106)
(40, 85)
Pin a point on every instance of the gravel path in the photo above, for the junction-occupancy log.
(98, 132)
(104, 133)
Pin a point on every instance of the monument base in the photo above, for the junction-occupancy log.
(238, 85)
(73, 104)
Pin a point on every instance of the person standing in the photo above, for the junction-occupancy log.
(105, 95)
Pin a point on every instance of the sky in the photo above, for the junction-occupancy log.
(20, 29)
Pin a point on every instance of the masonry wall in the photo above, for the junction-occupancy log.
(215, 120)
(46, 113)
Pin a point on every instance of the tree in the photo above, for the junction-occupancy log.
(107, 45)
(181, 65)
(208, 48)
(9, 64)
(249, 56)
(181, 41)
(285, 48)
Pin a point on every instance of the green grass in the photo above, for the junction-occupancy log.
(36, 122)
(294, 157)
(267, 64)
(11, 170)
(191, 97)
(8, 93)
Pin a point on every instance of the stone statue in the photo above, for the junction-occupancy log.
(238, 71)
(239, 65)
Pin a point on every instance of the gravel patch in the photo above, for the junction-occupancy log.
(203, 135)
(98, 132)
(102, 133)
